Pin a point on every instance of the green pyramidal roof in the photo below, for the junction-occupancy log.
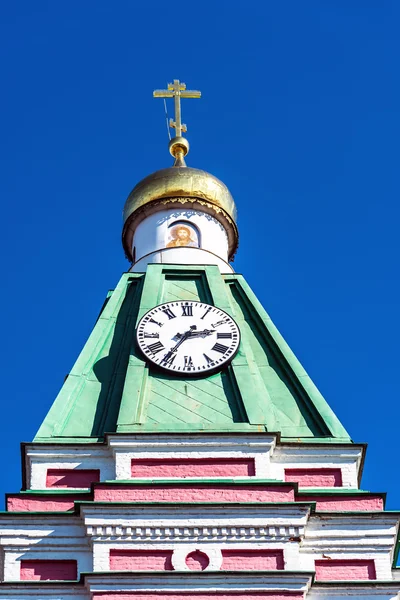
(111, 388)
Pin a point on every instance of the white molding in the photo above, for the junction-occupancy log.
(197, 522)
(370, 591)
(166, 442)
(193, 533)
(329, 532)
(40, 459)
(29, 591)
(192, 581)
(348, 458)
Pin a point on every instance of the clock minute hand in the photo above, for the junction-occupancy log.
(203, 333)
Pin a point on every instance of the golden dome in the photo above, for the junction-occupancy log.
(180, 187)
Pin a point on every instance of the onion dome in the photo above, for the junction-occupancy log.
(178, 187)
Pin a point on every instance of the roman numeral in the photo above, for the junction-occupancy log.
(224, 336)
(187, 311)
(151, 335)
(220, 348)
(156, 322)
(169, 313)
(218, 323)
(168, 360)
(156, 347)
(206, 313)
(208, 359)
(187, 361)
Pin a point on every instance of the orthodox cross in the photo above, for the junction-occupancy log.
(177, 90)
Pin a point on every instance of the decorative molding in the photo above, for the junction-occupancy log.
(203, 534)
(163, 442)
(195, 581)
(180, 554)
(359, 591)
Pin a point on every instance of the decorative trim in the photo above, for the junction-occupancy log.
(201, 581)
(210, 533)
(180, 554)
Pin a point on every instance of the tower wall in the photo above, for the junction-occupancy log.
(229, 480)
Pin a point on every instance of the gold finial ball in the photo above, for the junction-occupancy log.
(178, 146)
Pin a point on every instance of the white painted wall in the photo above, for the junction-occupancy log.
(114, 458)
(154, 232)
(181, 256)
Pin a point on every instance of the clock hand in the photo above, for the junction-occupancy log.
(184, 337)
(203, 333)
(191, 333)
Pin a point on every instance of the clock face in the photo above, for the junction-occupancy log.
(188, 337)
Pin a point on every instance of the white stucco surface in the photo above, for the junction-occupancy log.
(208, 245)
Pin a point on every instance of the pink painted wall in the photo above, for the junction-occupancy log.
(71, 478)
(345, 503)
(189, 595)
(197, 561)
(175, 493)
(193, 467)
(44, 570)
(315, 477)
(140, 560)
(343, 570)
(24, 503)
(261, 560)
(194, 493)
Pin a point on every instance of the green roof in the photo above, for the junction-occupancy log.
(112, 389)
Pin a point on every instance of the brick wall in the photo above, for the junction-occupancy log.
(140, 560)
(23, 503)
(44, 570)
(343, 570)
(261, 560)
(194, 493)
(71, 478)
(193, 467)
(197, 561)
(345, 503)
(315, 477)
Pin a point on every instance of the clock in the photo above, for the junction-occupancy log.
(188, 337)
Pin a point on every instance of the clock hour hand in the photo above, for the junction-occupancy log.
(182, 338)
(193, 333)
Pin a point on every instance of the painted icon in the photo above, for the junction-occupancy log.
(183, 235)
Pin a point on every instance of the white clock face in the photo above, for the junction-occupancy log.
(188, 337)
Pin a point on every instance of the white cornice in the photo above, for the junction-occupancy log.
(200, 441)
(204, 582)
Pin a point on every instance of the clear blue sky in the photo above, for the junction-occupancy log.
(299, 117)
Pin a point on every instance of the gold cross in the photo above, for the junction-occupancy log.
(177, 90)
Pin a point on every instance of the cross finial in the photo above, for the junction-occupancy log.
(177, 90)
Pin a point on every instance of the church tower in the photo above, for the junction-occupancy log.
(188, 455)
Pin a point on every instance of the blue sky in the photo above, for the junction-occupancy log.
(299, 117)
